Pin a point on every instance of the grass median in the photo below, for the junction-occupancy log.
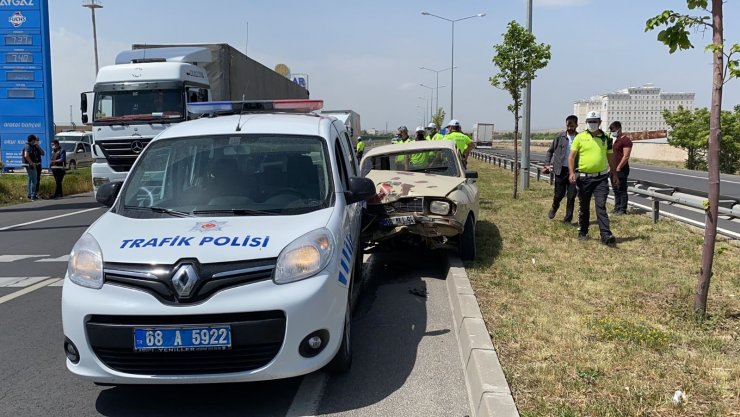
(583, 329)
(13, 186)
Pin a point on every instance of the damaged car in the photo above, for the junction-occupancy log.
(424, 196)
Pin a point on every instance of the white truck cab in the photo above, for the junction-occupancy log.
(144, 93)
(228, 254)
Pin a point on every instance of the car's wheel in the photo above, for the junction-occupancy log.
(467, 240)
(72, 164)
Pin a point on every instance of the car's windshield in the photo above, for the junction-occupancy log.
(138, 105)
(229, 175)
(68, 146)
(432, 161)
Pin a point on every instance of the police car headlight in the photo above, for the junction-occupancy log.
(85, 265)
(304, 257)
(439, 207)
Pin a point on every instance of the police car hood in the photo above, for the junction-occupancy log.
(392, 185)
(211, 239)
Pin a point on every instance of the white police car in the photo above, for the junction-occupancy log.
(228, 254)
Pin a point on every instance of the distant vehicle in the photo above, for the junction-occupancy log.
(78, 154)
(350, 118)
(149, 87)
(424, 195)
(483, 133)
(75, 136)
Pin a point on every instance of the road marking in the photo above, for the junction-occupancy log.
(682, 175)
(63, 258)
(19, 282)
(59, 283)
(306, 400)
(13, 258)
(26, 290)
(48, 218)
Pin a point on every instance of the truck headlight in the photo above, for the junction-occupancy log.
(439, 207)
(85, 265)
(304, 257)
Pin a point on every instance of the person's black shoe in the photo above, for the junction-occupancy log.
(551, 214)
(568, 219)
(582, 237)
(609, 240)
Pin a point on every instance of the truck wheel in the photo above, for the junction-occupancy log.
(467, 240)
(72, 164)
(342, 362)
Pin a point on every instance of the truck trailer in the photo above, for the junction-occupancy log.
(148, 89)
(351, 120)
(483, 134)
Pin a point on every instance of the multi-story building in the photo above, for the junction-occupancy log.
(640, 109)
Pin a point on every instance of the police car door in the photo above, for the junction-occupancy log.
(347, 167)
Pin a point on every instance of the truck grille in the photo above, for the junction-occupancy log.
(407, 205)
(121, 153)
(256, 340)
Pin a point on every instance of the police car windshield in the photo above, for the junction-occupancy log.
(433, 161)
(229, 175)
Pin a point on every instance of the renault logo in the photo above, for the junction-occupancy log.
(137, 146)
(184, 280)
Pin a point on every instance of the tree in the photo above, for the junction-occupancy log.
(676, 36)
(439, 117)
(687, 132)
(518, 59)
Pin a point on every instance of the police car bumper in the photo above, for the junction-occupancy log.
(269, 323)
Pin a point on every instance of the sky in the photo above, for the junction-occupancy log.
(365, 55)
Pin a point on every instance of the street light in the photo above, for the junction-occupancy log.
(436, 103)
(427, 104)
(431, 97)
(92, 5)
(452, 65)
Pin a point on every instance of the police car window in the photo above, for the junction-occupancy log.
(229, 175)
(432, 161)
(341, 165)
(353, 160)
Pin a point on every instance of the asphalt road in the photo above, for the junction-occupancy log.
(406, 360)
(680, 178)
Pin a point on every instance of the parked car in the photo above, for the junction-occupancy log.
(78, 154)
(75, 136)
(423, 195)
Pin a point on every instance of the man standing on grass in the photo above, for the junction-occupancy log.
(557, 162)
(32, 163)
(622, 151)
(593, 148)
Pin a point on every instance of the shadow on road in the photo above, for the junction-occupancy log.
(197, 400)
(50, 206)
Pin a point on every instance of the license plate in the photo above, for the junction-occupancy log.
(398, 221)
(176, 339)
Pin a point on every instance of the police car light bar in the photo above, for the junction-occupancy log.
(236, 107)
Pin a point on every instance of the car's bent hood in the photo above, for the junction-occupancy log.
(212, 239)
(392, 185)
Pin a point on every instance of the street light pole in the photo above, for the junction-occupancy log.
(431, 98)
(92, 5)
(436, 103)
(524, 170)
(452, 64)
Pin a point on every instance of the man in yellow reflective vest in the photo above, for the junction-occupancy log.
(432, 133)
(360, 147)
(463, 143)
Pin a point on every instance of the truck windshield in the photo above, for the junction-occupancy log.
(139, 106)
(228, 175)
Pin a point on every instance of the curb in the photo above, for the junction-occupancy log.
(488, 390)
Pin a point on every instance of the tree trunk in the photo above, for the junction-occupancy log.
(516, 151)
(710, 231)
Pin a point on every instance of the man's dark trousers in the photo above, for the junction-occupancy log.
(598, 187)
(620, 193)
(563, 187)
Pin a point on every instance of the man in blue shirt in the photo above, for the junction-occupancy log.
(557, 161)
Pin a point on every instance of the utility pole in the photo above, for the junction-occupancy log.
(92, 5)
(524, 171)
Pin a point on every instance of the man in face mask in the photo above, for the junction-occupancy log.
(595, 158)
(622, 150)
(557, 157)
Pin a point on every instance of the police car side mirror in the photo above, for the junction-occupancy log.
(359, 189)
(108, 192)
(471, 174)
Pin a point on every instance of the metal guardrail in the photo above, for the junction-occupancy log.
(655, 194)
